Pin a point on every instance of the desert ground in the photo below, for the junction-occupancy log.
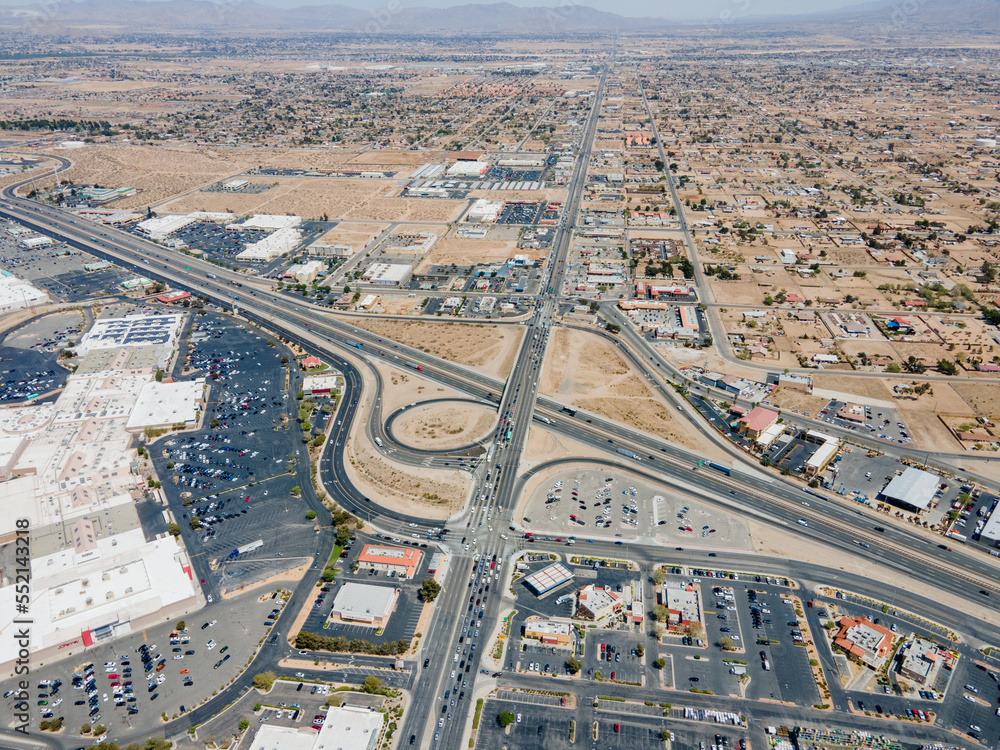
(313, 197)
(491, 349)
(402, 387)
(444, 426)
(588, 372)
(355, 234)
(463, 252)
(779, 543)
(158, 171)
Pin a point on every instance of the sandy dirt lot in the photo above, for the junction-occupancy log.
(775, 542)
(431, 493)
(983, 398)
(402, 387)
(355, 234)
(443, 426)
(488, 348)
(920, 415)
(463, 252)
(786, 398)
(871, 388)
(312, 197)
(158, 171)
(587, 372)
(399, 158)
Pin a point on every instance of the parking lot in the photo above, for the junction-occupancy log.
(975, 707)
(60, 270)
(402, 623)
(618, 660)
(191, 670)
(585, 504)
(539, 726)
(879, 422)
(234, 478)
(520, 213)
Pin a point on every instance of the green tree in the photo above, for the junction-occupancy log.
(660, 663)
(296, 490)
(727, 644)
(265, 680)
(893, 367)
(174, 529)
(661, 613)
(311, 515)
(506, 718)
(195, 522)
(343, 536)
(640, 650)
(659, 577)
(573, 665)
(244, 724)
(947, 367)
(372, 685)
(180, 625)
(429, 589)
(159, 376)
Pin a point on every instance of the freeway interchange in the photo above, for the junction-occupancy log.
(498, 482)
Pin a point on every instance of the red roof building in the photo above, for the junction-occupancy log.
(402, 560)
(863, 639)
(756, 421)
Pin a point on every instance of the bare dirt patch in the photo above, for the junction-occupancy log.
(779, 543)
(984, 398)
(355, 234)
(463, 252)
(415, 490)
(443, 426)
(158, 171)
(488, 348)
(586, 371)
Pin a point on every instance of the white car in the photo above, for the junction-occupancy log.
(212, 623)
(210, 645)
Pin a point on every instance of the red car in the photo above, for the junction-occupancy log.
(616, 726)
(112, 676)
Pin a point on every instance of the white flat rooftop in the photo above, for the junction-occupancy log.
(166, 403)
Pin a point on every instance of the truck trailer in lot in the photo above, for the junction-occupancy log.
(246, 548)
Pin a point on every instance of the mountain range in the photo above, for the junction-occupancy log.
(248, 16)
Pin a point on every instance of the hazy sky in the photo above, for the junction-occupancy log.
(679, 9)
(656, 8)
